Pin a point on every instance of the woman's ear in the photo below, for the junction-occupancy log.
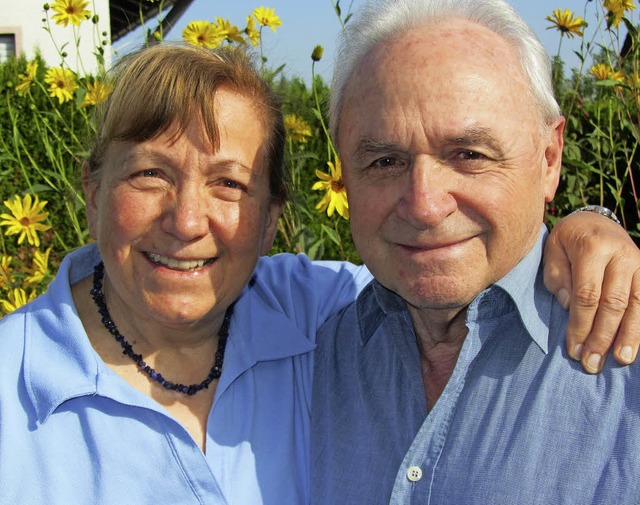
(271, 226)
(90, 186)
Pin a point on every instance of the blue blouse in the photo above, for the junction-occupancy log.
(74, 432)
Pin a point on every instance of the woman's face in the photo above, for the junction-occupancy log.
(180, 227)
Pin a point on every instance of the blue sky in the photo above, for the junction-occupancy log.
(306, 23)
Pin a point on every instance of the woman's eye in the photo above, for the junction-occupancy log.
(228, 183)
(149, 172)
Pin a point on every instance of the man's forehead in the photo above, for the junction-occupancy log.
(414, 78)
(423, 43)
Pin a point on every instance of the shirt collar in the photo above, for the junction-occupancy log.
(60, 363)
(259, 333)
(523, 287)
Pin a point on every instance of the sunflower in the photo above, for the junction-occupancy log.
(267, 17)
(566, 23)
(62, 83)
(6, 278)
(297, 128)
(603, 71)
(335, 197)
(203, 33)
(252, 34)
(232, 32)
(40, 267)
(26, 80)
(25, 218)
(16, 299)
(617, 9)
(70, 11)
(97, 92)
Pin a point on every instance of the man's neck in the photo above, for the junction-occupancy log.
(439, 337)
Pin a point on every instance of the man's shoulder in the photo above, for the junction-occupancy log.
(355, 323)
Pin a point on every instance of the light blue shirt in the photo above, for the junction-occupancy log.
(73, 432)
(518, 422)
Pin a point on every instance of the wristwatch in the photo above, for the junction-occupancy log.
(598, 209)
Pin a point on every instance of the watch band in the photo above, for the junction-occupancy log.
(598, 209)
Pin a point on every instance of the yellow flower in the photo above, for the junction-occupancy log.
(97, 92)
(232, 32)
(16, 299)
(26, 80)
(297, 129)
(62, 83)
(252, 34)
(565, 22)
(617, 9)
(267, 17)
(40, 267)
(617, 75)
(5, 272)
(335, 197)
(25, 219)
(603, 71)
(203, 33)
(70, 11)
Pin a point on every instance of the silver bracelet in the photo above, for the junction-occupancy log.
(598, 209)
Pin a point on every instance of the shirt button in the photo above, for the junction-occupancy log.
(414, 473)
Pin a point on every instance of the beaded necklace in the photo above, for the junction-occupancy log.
(98, 296)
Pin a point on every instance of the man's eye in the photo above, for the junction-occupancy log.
(149, 172)
(470, 155)
(385, 162)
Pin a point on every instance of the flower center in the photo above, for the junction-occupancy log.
(337, 186)
(25, 221)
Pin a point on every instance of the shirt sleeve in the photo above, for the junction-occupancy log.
(308, 292)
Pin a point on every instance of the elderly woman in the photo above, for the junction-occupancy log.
(168, 362)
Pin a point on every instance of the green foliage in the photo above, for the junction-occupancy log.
(41, 146)
(302, 228)
(43, 143)
(602, 136)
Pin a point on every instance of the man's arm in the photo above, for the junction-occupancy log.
(592, 266)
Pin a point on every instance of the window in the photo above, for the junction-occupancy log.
(7, 46)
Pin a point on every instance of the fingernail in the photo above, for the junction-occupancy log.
(563, 298)
(593, 362)
(577, 352)
(626, 353)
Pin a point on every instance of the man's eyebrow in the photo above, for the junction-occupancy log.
(368, 146)
(477, 136)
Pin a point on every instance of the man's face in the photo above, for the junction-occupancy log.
(446, 163)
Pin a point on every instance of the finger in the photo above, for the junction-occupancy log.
(614, 300)
(628, 339)
(557, 271)
(584, 299)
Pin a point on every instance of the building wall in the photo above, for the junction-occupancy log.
(22, 26)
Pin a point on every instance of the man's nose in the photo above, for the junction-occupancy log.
(427, 199)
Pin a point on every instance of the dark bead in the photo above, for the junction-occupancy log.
(127, 349)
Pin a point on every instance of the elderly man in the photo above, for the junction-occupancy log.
(447, 381)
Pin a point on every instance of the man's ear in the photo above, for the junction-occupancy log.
(553, 158)
(271, 226)
(90, 186)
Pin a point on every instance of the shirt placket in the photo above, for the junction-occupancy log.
(415, 478)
